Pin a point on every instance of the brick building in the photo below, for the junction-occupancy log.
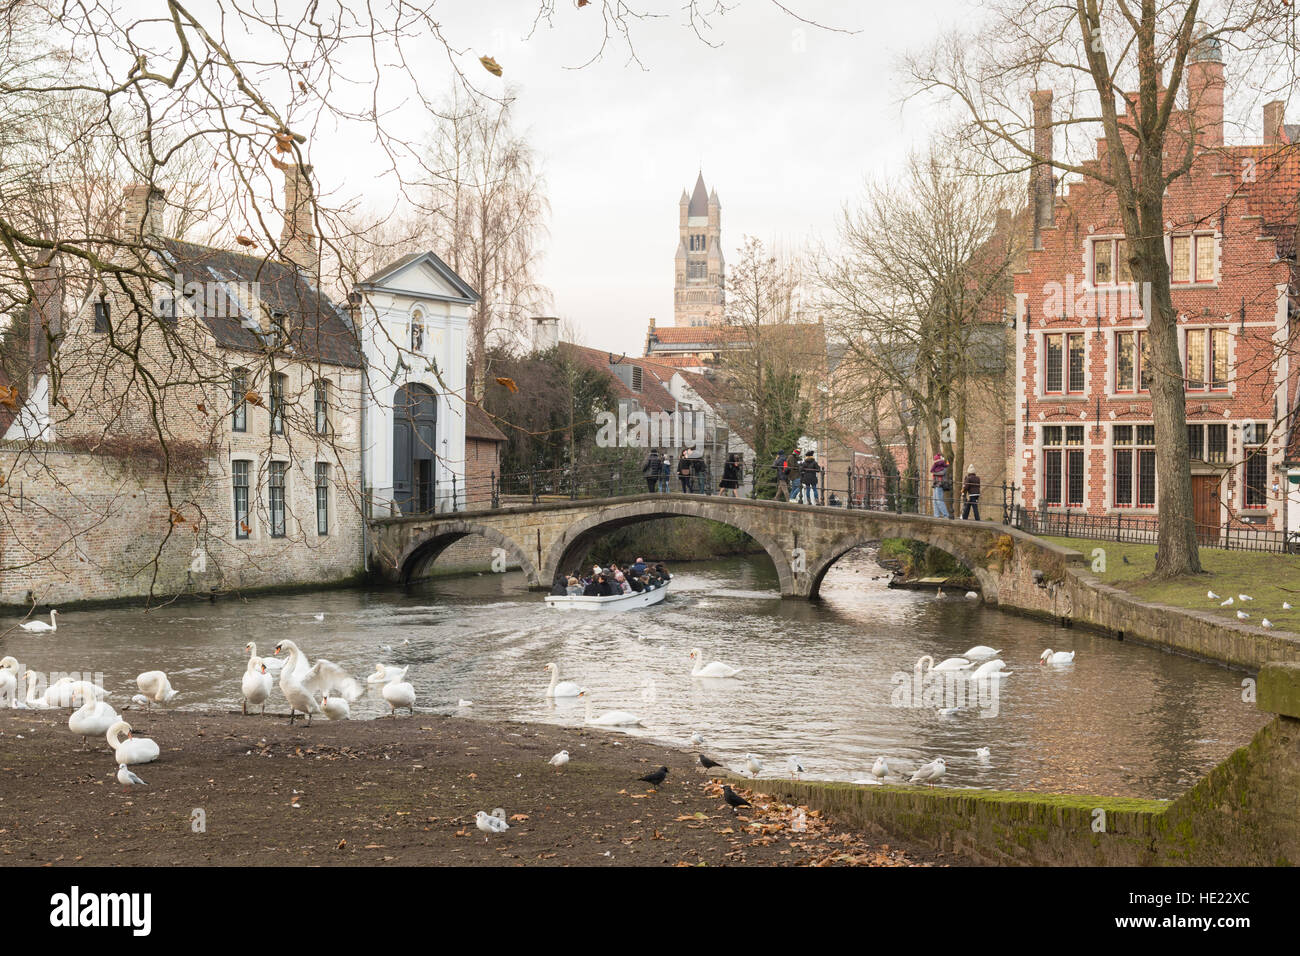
(1084, 435)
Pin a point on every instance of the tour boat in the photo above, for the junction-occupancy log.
(613, 602)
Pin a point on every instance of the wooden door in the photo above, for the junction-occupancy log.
(1206, 508)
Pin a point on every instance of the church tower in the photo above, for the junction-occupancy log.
(699, 270)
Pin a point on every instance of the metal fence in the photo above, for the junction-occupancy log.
(1144, 529)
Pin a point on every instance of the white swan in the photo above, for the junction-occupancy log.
(980, 652)
(950, 664)
(1056, 657)
(614, 718)
(716, 669)
(92, 719)
(155, 686)
(9, 668)
(385, 673)
(400, 693)
(41, 627)
(256, 685)
(131, 750)
(990, 669)
(273, 664)
(34, 701)
(58, 694)
(323, 677)
(336, 708)
(560, 688)
(299, 697)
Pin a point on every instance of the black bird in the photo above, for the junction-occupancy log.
(1126, 560)
(734, 800)
(707, 764)
(656, 778)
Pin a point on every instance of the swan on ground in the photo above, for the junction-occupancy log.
(400, 693)
(256, 685)
(34, 700)
(58, 694)
(336, 708)
(930, 772)
(559, 760)
(1056, 657)
(716, 669)
(9, 668)
(880, 769)
(323, 677)
(93, 718)
(614, 718)
(297, 694)
(490, 822)
(980, 652)
(754, 765)
(990, 669)
(155, 686)
(40, 626)
(132, 750)
(949, 664)
(560, 688)
(127, 779)
(386, 673)
(273, 664)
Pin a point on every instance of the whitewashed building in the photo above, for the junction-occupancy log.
(414, 323)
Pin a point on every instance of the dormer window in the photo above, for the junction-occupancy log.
(101, 315)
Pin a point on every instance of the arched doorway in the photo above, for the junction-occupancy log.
(415, 435)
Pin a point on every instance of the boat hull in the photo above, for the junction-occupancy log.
(614, 602)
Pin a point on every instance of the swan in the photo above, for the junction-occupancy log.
(9, 668)
(41, 627)
(298, 696)
(323, 677)
(980, 652)
(950, 664)
(880, 769)
(155, 686)
(272, 664)
(990, 669)
(131, 750)
(400, 693)
(614, 718)
(1056, 657)
(34, 701)
(386, 673)
(716, 669)
(92, 719)
(58, 694)
(256, 685)
(930, 772)
(336, 708)
(564, 688)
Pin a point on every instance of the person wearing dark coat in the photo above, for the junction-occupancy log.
(730, 476)
(685, 472)
(650, 470)
(970, 490)
(809, 470)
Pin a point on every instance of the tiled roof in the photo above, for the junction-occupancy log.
(652, 397)
(316, 330)
(478, 424)
(700, 336)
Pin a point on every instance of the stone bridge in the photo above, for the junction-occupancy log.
(803, 541)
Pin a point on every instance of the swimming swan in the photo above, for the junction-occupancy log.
(716, 669)
(615, 718)
(565, 688)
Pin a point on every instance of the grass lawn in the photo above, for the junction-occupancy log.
(1227, 574)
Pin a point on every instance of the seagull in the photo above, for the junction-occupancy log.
(982, 753)
(464, 703)
(140, 700)
(972, 596)
(930, 772)
(697, 738)
(318, 617)
(733, 799)
(127, 779)
(707, 763)
(754, 764)
(1244, 597)
(1242, 615)
(794, 766)
(559, 760)
(1227, 603)
(880, 769)
(490, 822)
(1211, 595)
(1266, 623)
(1286, 606)
(947, 711)
(656, 778)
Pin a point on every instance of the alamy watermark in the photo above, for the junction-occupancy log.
(946, 690)
(640, 429)
(224, 299)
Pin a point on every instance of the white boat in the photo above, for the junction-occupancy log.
(614, 602)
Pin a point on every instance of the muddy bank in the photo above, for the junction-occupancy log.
(400, 792)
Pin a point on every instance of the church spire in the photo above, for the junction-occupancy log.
(699, 199)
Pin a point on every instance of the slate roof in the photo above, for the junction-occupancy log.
(479, 425)
(699, 199)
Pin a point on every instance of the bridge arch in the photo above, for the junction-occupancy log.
(871, 533)
(580, 536)
(424, 549)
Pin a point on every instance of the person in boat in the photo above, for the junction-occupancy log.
(560, 586)
(621, 580)
(639, 567)
(573, 586)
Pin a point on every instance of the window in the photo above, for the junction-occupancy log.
(277, 403)
(239, 479)
(322, 498)
(101, 315)
(1135, 465)
(1204, 258)
(1218, 359)
(322, 407)
(1216, 437)
(1123, 272)
(238, 404)
(1074, 345)
(1206, 359)
(1131, 352)
(1053, 380)
(1110, 262)
(275, 497)
(1191, 259)
(697, 270)
(1254, 436)
(417, 332)
(636, 378)
(1194, 365)
(1180, 263)
(698, 243)
(1063, 465)
(1196, 442)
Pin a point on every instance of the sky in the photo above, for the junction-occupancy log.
(785, 120)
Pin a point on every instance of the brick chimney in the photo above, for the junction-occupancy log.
(1274, 117)
(546, 332)
(1042, 198)
(142, 210)
(46, 313)
(298, 238)
(1205, 93)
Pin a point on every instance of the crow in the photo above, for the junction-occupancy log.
(656, 778)
(708, 764)
(734, 800)
(1125, 559)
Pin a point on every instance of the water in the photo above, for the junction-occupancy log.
(1123, 720)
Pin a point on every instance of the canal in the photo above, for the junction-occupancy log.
(829, 682)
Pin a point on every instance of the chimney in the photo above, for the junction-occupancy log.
(46, 313)
(298, 238)
(1205, 93)
(1042, 199)
(546, 332)
(1274, 117)
(142, 209)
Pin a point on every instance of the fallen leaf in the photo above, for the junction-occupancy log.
(491, 65)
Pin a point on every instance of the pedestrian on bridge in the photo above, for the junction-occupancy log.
(665, 472)
(809, 472)
(970, 490)
(782, 468)
(940, 484)
(651, 469)
(685, 471)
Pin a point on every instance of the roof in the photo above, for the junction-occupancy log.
(699, 199)
(377, 279)
(316, 330)
(700, 336)
(479, 425)
(653, 396)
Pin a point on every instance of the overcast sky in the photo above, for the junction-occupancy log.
(785, 120)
